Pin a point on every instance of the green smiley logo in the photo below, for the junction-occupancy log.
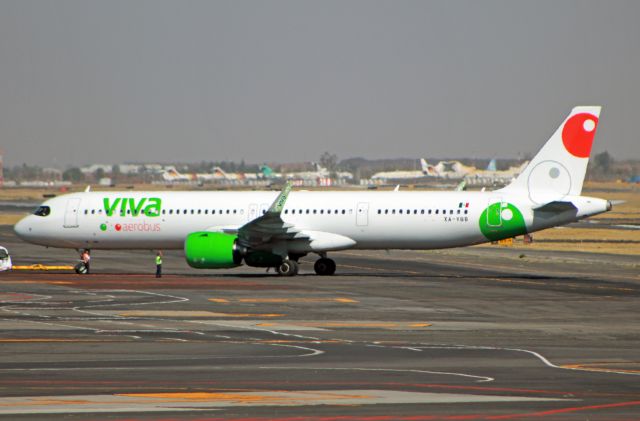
(502, 220)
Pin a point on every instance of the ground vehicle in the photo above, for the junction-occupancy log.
(5, 259)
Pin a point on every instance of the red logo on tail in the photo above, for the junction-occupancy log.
(578, 133)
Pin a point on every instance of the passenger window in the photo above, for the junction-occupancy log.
(213, 211)
(400, 211)
(458, 211)
(343, 211)
(393, 211)
(314, 211)
(185, 212)
(437, 211)
(386, 211)
(379, 211)
(307, 211)
(465, 211)
(321, 211)
(199, 211)
(451, 212)
(422, 212)
(228, 211)
(206, 211)
(192, 211)
(286, 211)
(429, 211)
(235, 211)
(86, 211)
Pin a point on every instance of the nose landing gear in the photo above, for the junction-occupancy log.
(325, 266)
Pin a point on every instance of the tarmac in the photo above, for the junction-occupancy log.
(474, 333)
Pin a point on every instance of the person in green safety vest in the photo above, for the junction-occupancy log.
(159, 264)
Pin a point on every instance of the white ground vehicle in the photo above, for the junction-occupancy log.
(5, 259)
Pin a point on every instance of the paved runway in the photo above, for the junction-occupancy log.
(476, 333)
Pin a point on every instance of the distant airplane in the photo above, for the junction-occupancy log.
(452, 170)
(493, 176)
(172, 175)
(426, 170)
(268, 229)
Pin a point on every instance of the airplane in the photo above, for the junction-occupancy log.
(452, 170)
(426, 170)
(493, 176)
(274, 230)
(172, 175)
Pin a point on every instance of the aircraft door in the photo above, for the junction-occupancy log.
(362, 214)
(253, 211)
(494, 212)
(71, 213)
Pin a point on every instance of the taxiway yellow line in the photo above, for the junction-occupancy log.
(169, 313)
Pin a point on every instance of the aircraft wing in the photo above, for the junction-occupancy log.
(269, 227)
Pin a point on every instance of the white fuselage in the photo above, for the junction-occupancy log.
(373, 220)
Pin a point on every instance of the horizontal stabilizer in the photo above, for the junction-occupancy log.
(556, 206)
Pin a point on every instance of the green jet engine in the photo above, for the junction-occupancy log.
(217, 250)
(212, 250)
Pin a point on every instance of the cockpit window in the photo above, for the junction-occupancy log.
(3, 254)
(43, 211)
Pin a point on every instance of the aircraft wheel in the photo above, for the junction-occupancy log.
(80, 268)
(288, 268)
(325, 267)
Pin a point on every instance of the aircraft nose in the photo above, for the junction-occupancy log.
(23, 228)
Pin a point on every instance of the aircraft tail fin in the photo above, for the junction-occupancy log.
(559, 168)
(492, 165)
(426, 168)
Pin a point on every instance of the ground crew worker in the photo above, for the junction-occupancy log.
(159, 264)
(86, 259)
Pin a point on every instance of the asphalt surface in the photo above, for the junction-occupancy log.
(475, 333)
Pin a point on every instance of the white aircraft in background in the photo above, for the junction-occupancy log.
(492, 175)
(172, 175)
(426, 170)
(452, 170)
(319, 172)
(267, 229)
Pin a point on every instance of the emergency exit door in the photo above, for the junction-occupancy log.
(71, 213)
(253, 212)
(362, 214)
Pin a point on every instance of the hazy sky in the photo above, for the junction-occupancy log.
(149, 80)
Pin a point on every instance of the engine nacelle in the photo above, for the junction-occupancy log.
(212, 250)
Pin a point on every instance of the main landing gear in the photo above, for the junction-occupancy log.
(288, 268)
(323, 267)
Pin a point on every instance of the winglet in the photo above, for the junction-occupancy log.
(278, 204)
